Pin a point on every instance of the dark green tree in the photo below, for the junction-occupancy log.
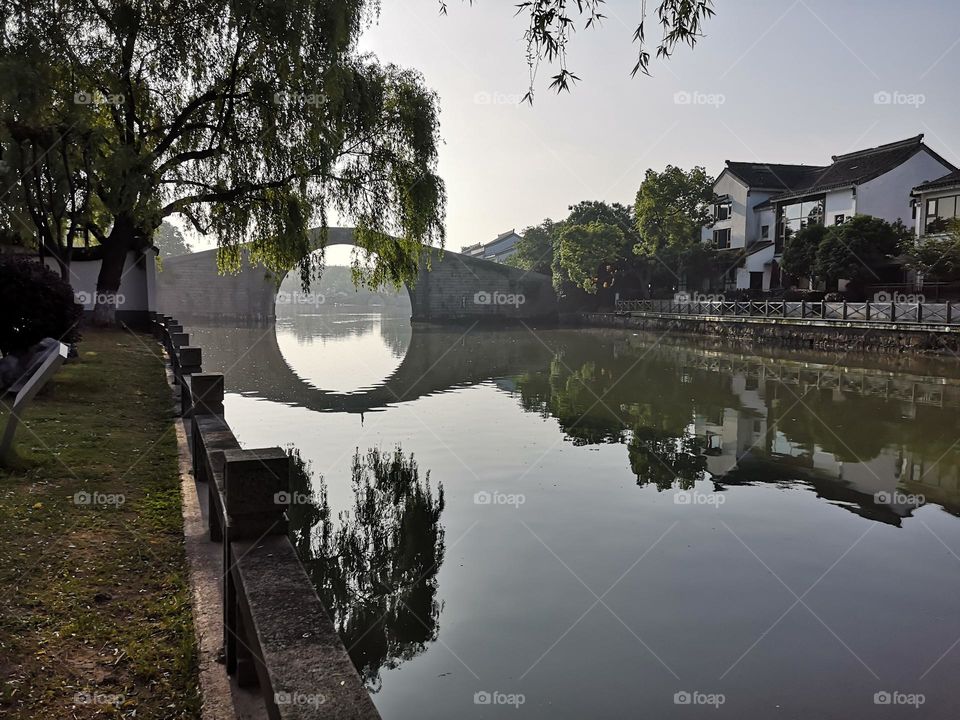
(937, 256)
(671, 209)
(800, 251)
(251, 120)
(535, 249)
(858, 249)
(585, 251)
(170, 241)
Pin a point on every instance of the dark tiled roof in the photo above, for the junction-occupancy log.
(943, 182)
(771, 176)
(860, 167)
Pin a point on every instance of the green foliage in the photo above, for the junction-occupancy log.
(937, 257)
(535, 248)
(583, 249)
(856, 249)
(671, 209)
(552, 24)
(251, 120)
(170, 241)
(800, 251)
(34, 303)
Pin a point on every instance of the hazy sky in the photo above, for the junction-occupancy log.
(791, 82)
(773, 81)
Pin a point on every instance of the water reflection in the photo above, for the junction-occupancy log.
(848, 428)
(375, 568)
(861, 438)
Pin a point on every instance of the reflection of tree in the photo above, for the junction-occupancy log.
(836, 425)
(376, 569)
(661, 458)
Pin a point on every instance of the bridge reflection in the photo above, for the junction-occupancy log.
(684, 412)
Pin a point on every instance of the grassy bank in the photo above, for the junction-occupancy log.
(95, 618)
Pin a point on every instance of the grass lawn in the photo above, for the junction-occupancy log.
(95, 617)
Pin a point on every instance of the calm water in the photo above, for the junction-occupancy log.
(622, 518)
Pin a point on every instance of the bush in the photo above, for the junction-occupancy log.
(34, 303)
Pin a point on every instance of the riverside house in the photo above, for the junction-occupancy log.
(759, 205)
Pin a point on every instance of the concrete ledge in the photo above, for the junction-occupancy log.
(302, 664)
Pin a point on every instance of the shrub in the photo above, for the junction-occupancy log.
(34, 303)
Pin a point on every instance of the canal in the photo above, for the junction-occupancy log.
(560, 523)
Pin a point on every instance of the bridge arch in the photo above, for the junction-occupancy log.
(450, 287)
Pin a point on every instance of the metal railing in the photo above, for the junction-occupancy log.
(887, 312)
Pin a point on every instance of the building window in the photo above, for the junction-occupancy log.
(721, 211)
(940, 211)
(721, 238)
(796, 216)
(765, 232)
(756, 280)
(838, 220)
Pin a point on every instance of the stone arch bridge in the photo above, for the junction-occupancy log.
(456, 288)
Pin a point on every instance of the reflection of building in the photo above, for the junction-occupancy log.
(498, 249)
(746, 444)
(760, 205)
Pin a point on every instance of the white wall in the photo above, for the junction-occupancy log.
(840, 202)
(888, 196)
(727, 184)
(137, 288)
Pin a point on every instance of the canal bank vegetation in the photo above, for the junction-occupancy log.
(604, 252)
(95, 619)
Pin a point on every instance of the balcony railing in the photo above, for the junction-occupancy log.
(945, 313)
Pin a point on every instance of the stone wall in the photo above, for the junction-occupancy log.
(791, 333)
(450, 287)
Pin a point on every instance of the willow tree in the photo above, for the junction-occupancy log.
(251, 120)
(551, 25)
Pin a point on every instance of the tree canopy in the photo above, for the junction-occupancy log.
(858, 249)
(800, 251)
(585, 249)
(251, 120)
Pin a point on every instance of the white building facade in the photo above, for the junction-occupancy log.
(760, 205)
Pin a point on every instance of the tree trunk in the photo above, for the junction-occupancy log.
(115, 251)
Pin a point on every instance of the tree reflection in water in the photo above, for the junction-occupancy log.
(663, 459)
(375, 568)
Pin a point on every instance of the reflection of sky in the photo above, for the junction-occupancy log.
(349, 355)
(700, 583)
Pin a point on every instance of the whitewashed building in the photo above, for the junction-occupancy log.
(498, 249)
(937, 203)
(760, 205)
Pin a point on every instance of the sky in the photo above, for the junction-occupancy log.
(772, 81)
